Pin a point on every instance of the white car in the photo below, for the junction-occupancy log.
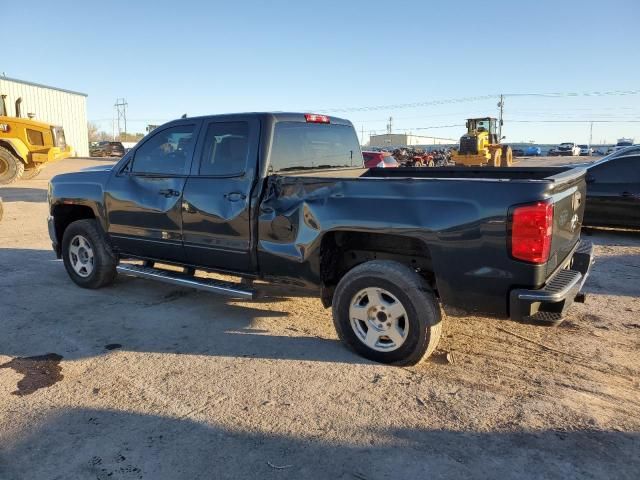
(568, 149)
(585, 150)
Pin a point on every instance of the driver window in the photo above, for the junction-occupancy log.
(166, 152)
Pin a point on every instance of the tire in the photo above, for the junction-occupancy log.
(507, 156)
(33, 172)
(95, 264)
(420, 324)
(11, 167)
(496, 156)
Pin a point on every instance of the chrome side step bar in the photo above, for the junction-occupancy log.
(229, 289)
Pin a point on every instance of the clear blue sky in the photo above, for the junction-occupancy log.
(167, 58)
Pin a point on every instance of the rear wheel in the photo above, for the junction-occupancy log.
(32, 172)
(87, 257)
(507, 156)
(11, 167)
(386, 312)
(496, 156)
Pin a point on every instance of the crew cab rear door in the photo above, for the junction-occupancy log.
(144, 197)
(216, 208)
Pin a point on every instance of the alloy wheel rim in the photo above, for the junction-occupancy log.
(379, 319)
(81, 256)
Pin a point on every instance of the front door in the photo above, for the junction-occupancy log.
(216, 212)
(144, 198)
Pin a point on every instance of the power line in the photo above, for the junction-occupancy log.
(478, 98)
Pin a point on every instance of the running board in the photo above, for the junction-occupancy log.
(229, 289)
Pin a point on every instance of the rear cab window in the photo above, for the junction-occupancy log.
(304, 146)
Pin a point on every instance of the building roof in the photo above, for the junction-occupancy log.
(33, 84)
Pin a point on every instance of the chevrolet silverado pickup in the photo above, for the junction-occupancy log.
(282, 200)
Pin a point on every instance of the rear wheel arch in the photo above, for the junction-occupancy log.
(343, 250)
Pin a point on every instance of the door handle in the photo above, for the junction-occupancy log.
(169, 192)
(235, 196)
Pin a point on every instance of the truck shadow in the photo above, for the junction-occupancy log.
(47, 313)
(103, 444)
(615, 275)
(15, 194)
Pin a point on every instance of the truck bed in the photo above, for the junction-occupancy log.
(548, 174)
(460, 214)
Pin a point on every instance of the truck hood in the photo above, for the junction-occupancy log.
(98, 168)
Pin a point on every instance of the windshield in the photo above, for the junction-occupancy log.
(566, 144)
(583, 146)
(299, 146)
(483, 125)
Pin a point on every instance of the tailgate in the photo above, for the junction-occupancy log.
(569, 198)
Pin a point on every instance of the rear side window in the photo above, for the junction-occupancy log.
(226, 148)
(166, 152)
(301, 146)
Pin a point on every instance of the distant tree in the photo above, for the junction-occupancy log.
(94, 134)
(130, 137)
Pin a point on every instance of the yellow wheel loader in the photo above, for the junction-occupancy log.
(26, 145)
(480, 146)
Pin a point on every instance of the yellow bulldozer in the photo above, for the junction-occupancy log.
(26, 145)
(481, 146)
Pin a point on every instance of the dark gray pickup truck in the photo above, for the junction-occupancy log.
(283, 199)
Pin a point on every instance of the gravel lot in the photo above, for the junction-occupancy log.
(147, 381)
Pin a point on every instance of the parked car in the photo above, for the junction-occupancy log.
(283, 198)
(613, 190)
(622, 143)
(532, 151)
(517, 152)
(379, 160)
(107, 149)
(568, 149)
(585, 150)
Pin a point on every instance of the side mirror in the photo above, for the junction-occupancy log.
(503, 137)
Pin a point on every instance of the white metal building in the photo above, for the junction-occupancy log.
(56, 106)
(405, 139)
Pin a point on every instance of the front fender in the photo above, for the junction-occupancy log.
(18, 148)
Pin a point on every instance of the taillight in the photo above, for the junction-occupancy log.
(315, 118)
(531, 229)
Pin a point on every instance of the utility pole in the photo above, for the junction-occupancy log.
(121, 113)
(390, 125)
(590, 134)
(501, 105)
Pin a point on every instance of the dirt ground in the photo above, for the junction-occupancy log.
(147, 381)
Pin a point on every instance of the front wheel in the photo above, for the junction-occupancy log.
(11, 167)
(387, 312)
(87, 257)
